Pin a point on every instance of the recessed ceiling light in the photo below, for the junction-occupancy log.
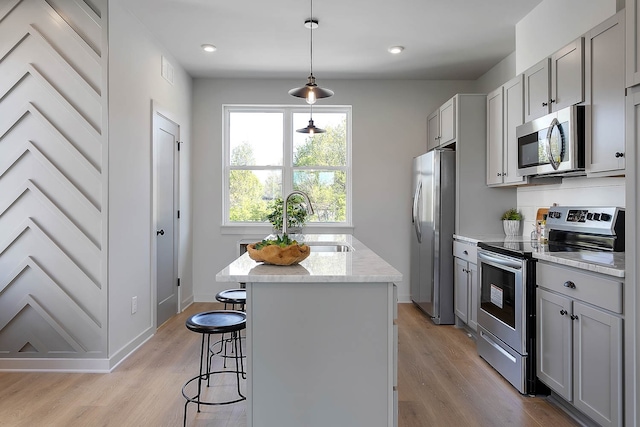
(209, 48)
(396, 49)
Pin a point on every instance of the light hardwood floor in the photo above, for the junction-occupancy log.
(441, 382)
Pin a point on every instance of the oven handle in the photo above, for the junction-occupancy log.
(500, 262)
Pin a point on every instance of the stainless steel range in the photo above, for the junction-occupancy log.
(506, 274)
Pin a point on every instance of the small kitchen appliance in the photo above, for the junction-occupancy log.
(553, 144)
(507, 281)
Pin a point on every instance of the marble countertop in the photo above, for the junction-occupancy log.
(359, 265)
(609, 263)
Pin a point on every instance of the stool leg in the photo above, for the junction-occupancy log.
(238, 355)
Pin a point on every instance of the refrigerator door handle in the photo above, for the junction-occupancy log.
(416, 211)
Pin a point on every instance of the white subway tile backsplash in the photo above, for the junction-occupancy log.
(571, 192)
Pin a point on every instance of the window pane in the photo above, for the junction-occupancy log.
(327, 191)
(255, 139)
(250, 193)
(322, 149)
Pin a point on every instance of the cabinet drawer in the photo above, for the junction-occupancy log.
(592, 289)
(466, 251)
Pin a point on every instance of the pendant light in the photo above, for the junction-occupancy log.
(311, 91)
(311, 129)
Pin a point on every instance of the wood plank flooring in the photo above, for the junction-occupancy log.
(441, 382)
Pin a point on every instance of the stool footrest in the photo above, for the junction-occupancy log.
(203, 377)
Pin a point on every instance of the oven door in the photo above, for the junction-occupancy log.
(502, 305)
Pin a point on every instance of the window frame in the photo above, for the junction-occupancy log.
(287, 167)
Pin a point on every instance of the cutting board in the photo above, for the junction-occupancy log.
(540, 214)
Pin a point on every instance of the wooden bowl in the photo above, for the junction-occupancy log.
(274, 254)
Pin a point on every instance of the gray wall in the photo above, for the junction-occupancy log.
(134, 81)
(389, 129)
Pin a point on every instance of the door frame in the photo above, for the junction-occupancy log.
(158, 110)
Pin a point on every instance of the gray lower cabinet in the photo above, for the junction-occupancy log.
(465, 278)
(579, 345)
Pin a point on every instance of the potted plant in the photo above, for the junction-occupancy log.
(511, 222)
(296, 211)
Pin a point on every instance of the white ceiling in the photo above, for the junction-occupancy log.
(443, 39)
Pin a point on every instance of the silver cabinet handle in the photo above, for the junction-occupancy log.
(569, 284)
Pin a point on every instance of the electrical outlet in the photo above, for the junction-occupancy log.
(134, 305)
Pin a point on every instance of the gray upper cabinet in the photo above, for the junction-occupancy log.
(441, 125)
(505, 112)
(448, 122)
(605, 94)
(567, 76)
(556, 82)
(494, 137)
(632, 42)
(433, 130)
(536, 89)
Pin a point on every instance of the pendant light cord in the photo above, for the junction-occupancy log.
(311, 29)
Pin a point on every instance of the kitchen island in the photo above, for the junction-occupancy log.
(321, 340)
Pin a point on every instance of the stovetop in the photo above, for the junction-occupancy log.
(566, 254)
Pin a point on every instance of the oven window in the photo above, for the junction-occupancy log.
(497, 294)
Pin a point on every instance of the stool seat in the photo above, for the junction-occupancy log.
(232, 296)
(217, 322)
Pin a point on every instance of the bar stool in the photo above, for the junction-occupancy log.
(208, 323)
(233, 299)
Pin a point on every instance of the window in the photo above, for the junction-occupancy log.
(265, 159)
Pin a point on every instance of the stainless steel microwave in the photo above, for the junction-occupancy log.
(553, 144)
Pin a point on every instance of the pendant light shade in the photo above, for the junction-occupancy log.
(311, 129)
(311, 91)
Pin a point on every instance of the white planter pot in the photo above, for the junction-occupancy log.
(511, 227)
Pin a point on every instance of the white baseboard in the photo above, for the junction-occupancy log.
(75, 365)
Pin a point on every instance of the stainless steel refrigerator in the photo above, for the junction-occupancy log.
(433, 220)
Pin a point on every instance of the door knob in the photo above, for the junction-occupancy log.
(574, 317)
(544, 104)
(160, 233)
(618, 154)
(563, 312)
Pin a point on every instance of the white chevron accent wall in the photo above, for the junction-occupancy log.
(53, 192)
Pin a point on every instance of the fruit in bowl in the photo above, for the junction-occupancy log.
(279, 251)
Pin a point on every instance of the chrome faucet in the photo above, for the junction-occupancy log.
(285, 214)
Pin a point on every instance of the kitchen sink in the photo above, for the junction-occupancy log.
(329, 247)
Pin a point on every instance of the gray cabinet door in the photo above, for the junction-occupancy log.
(473, 296)
(536, 90)
(513, 107)
(597, 364)
(567, 76)
(433, 130)
(554, 337)
(461, 295)
(632, 42)
(605, 94)
(448, 122)
(494, 137)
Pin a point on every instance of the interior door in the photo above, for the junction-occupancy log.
(166, 136)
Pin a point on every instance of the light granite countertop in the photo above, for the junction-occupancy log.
(609, 263)
(360, 264)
